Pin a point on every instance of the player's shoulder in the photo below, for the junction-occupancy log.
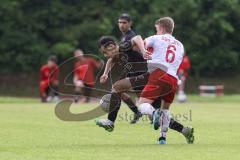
(128, 36)
(132, 33)
(179, 43)
(154, 37)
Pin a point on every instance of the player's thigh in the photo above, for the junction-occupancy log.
(139, 82)
(145, 100)
(43, 85)
(156, 90)
(121, 85)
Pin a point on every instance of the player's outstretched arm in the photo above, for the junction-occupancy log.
(138, 41)
(107, 69)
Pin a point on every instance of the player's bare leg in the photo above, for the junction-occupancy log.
(125, 85)
(78, 91)
(117, 94)
(115, 102)
(54, 87)
(182, 97)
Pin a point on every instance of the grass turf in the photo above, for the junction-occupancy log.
(30, 130)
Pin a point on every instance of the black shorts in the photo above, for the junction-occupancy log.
(139, 82)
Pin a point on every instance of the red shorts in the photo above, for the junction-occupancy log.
(44, 84)
(160, 84)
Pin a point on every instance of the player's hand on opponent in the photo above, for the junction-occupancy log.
(103, 78)
(147, 55)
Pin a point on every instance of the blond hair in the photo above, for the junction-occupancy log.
(167, 23)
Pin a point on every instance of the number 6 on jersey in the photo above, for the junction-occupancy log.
(170, 55)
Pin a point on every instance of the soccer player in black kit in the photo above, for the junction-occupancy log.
(134, 75)
(124, 24)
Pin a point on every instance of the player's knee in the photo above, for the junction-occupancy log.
(122, 85)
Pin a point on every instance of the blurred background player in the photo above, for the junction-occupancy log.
(182, 75)
(84, 78)
(49, 79)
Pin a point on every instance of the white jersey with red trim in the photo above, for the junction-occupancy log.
(167, 53)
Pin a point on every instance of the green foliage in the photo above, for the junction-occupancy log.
(31, 30)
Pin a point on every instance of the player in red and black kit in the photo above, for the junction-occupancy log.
(84, 79)
(134, 76)
(182, 74)
(49, 79)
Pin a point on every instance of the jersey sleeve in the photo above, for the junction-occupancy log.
(149, 41)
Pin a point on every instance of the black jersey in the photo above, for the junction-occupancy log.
(133, 56)
(129, 63)
(127, 68)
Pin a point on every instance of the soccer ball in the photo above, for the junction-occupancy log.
(105, 102)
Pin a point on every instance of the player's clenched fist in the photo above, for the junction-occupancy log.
(147, 55)
(103, 78)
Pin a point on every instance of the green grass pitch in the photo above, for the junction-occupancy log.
(30, 130)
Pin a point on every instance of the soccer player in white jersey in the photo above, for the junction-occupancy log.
(167, 55)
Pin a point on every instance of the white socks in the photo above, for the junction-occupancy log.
(146, 108)
(164, 122)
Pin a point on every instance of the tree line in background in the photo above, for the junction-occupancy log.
(31, 30)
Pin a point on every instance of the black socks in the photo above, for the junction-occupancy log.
(115, 102)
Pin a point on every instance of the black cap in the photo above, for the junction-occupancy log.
(105, 41)
(126, 17)
(52, 58)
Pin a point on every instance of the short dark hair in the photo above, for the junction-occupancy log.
(167, 23)
(126, 17)
(52, 58)
(105, 41)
